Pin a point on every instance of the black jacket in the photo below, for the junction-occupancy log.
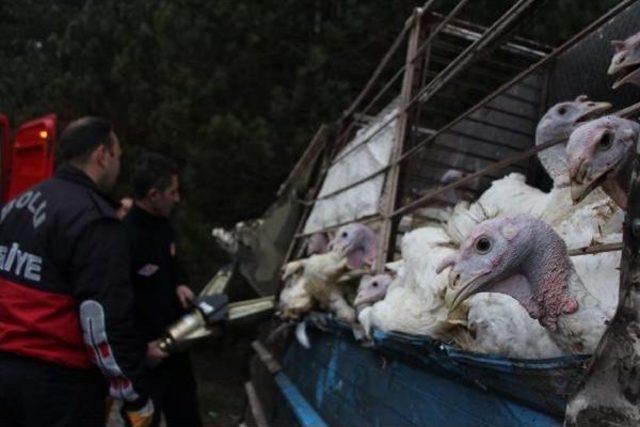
(65, 294)
(155, 272)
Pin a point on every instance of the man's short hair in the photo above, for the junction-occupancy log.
(152, 170)
(81, 137)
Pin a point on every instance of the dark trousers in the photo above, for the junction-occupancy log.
(173, 390)
(37, 394)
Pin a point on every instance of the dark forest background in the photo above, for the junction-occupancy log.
(232, 89)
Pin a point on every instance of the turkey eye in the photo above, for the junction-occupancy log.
(483, 245)
(605, 142)
(344, 234)
(374, 284)
(562, 110)
(622, 58)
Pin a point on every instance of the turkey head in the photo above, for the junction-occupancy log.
(520, 256)
(626, 61)
(372, 289)
(598, 154)
(558, 122)
(357, 243)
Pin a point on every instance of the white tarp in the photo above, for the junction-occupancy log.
(363, 199)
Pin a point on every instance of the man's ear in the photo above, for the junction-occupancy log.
(100, 154)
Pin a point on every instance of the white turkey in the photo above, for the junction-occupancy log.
(414, 304)
(294, 299)
(524, 258)
(353, 247)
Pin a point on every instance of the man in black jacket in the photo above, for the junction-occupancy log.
(65, 296)
(159, 283)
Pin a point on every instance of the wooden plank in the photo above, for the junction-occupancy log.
(492, 134)
(525, 125)
(514, 106)
(412, 77)
(469, 162)
(475, 147)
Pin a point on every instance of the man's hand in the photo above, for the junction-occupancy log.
(185, 295)
(155, 355)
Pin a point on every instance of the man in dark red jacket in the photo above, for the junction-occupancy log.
(65, 296)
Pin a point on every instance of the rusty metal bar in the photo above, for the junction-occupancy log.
(354, 183)
(316, 144)
(485, 140)
(501, 65)
(315, 189)
(436, 31)
(446, 166)
(491, 108)
(466, 153)
(303, 219)
(596, 249)
(383, 63)
(632, 109)
(492, 168)
(529, 45)
(364, 220)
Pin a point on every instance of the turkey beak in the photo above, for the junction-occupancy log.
(578, 192)
(593, 109)
(580, 183)
(584, 182)
(461, 287)
(363, 298)
(614, 68)
(629, 73)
